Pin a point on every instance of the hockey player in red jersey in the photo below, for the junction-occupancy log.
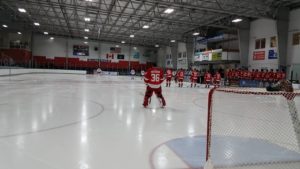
(153, 78)
(180, 77)
(271, 79)
(169, 77)
(217, 79)
(194, 78)
(207, 79)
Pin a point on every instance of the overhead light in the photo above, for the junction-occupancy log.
(122, 41)
(19, 33)
(85, 42)
(117, 46)
(86, 30)
(86, 37)
(46, 33)
(196, 33)
(87, 19)
(36, 24)
(157, 46)
(237, 20)
(132, 36)
(51, 38)
(5, 26)
(146, 26)
(89, 0)
(22, 10)
(169, 10)
(173, 41)
(135, 48)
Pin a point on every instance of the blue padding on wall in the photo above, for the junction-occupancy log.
(248, 83)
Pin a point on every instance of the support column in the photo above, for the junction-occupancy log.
(244, 39)
(282, 30)
(67, 53)
(174, 54)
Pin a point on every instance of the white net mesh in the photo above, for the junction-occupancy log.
(252, 128)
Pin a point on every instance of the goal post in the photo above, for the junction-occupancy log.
(248, 128)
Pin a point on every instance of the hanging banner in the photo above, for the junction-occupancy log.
(182, 61)
(169, 63)
(169, 60)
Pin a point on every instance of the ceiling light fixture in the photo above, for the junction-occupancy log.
(85, 42)
(117, 46)
(132, 36)
(146, 26)
(196, 33)
(237, 20)
(5, 26)
(87, 19)
(173, 41)
(19, 33)
(169, 10)
(123, 42)
(51, 38)
(46, 33)
(22, 10)
(36, 24)
(86, 30)
(157, 46)
(86, 37)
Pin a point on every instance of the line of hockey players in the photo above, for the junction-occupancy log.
(194, 75)
(264, 76)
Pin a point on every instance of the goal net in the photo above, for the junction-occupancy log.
(253, 129)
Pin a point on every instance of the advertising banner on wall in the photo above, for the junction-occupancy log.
(217, 55)
(136, 55)
(259, 55)
(198, 57)
(115, 50)
(148, 53)
(120, 56)
(81, 50)
(206, 56)
(273, 54)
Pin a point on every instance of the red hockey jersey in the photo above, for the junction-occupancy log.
(169, 73)
(217, 77)
(194, 75)
(207, 77)
(154, 77)
(180, 74)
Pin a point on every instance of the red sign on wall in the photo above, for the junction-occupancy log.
(259, 55)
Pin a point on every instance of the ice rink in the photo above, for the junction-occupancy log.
(50, 121)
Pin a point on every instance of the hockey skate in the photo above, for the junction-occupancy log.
(161, 103)
(145, 104)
